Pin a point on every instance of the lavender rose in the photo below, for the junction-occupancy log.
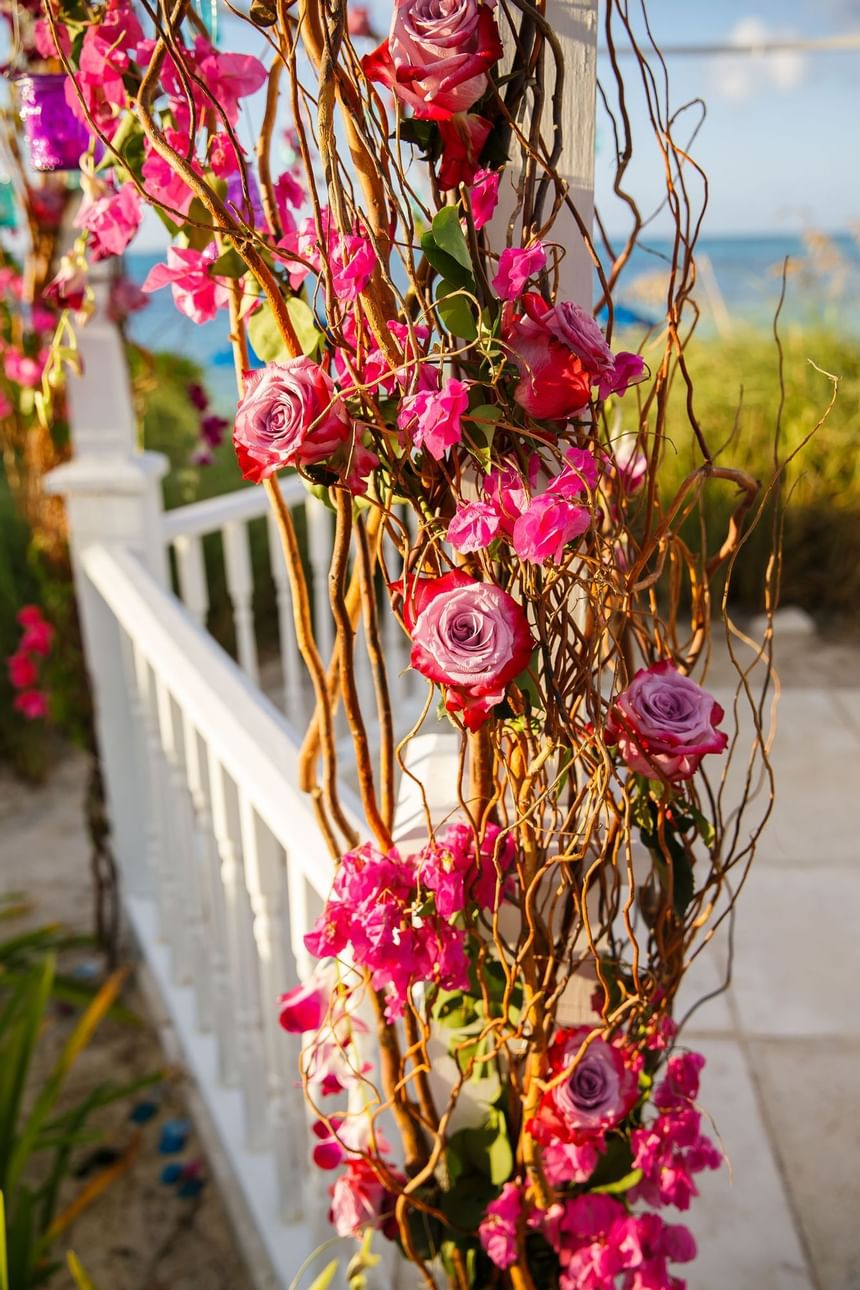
(664, 724)
(287, 417)
(437, 55)
(596, 1095)
(469, 636)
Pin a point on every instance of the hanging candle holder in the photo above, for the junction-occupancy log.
(55, 136)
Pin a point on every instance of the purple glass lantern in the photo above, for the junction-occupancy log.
(55, 136)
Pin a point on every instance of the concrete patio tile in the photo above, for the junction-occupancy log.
(741, 1221)
(797, 954)
(816, 762)
(706, 974)
(811, 1092)
(848, 703)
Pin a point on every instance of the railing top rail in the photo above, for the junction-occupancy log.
(199, 518)
(249, 736)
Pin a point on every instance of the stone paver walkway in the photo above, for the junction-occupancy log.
(783, 1042)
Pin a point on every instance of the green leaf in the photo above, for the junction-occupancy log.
(445, 264)
(706, 829)
(465, 1203)
(620, 1185)
(303, 320)
(264, 336)
(4, 1267)
(485, 1150)
(198, 238)
(422, 133)
(485, 415)
(325, 1278)
(230, 265)
(448, 235)
(82, 1281)
(455, 312)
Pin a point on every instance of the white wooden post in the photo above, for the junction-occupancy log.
(574, 23)
(113, 495)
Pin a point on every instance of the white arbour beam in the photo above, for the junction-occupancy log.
(574, 24)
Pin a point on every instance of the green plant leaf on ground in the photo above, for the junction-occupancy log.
(82, 1281)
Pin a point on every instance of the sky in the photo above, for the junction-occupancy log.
(779, 142)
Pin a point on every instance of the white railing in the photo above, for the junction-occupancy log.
(235, 874)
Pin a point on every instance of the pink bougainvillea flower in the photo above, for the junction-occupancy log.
(304, 1007)
(498, 1228)
(126, 297)
(463, 138)
(161, 181)
(457, 875)
(32, 704)
(68, 287)
(474, 526)
(111, 221)
(288, 416)
(670, 1152)
(484, 196)
(196, 292)
(516, 266)
(631, 464)
(436, 57)
(23, 370)
(664, 723)
(289, 192)
(23, 673)
(43, 39)
(433, 417)
(6, 408)
(359, 1199)
(472, 637)
(38, 634)
(99, 79)
(626, 370)
(546, 526)
(360, 465)
(507, 492)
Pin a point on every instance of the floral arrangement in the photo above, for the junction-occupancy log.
(498, 1002)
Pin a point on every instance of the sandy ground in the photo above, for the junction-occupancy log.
(140, 1234)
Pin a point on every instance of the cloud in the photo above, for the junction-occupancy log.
(755, 73)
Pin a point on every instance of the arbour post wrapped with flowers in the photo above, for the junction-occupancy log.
(555, 607)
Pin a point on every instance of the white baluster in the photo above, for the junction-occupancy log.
(145, 880)
(191, 932)
(240, 586)
(320, 544)
(242, 955)
(223, 991)
(305, 905)
(294, 696)
(162, 847)
(191, 572)
(265, 878)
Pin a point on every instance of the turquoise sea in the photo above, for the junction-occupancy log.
(739, 277)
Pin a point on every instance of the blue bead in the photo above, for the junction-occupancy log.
(143, 1112)
(190, 1188)
(171, 1174)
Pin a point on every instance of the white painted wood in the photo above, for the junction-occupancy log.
(210, 516)
(222, 1004)
(295, 695)
(265, 879)
(240, 588)
(575, 24)
(250, 1048)
(191, 572)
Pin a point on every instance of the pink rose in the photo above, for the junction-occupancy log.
(664, 724)
(437, 55)
(516, 266)
(433, 417)
(196, 293)
(288, 416)
(304, 1007)
(473, 527)
(594, 1096)
(546, 526)
(112, 221)
(554, 382)
(484, 196)
(470, 636)
(498, 1229)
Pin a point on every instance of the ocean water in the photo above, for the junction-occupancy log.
(739, 283)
